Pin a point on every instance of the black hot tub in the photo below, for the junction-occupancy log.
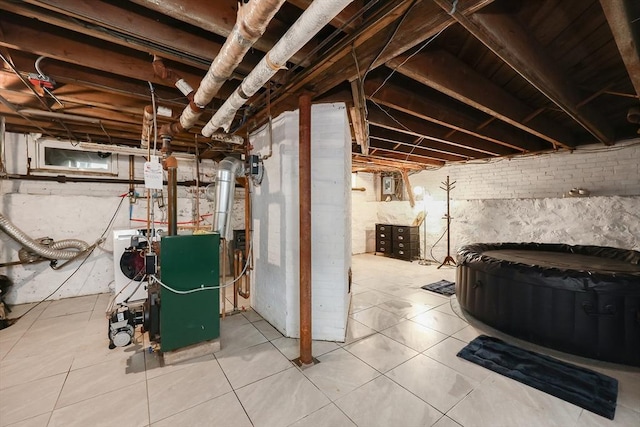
(583, 300)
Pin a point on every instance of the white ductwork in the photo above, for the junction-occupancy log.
(252, 21)
(317, 15)
(228, 169)
(55, 250)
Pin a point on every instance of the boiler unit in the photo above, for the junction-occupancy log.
(128, 265)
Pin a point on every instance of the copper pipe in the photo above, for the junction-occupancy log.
(304, 170)
(246, 280)
(223, 264)
(172, 190)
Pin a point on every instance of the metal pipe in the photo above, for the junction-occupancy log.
(64, 179)
(304, 171)
(312, 20)
(246, 292)
(228, 169)
(172, 195)
(54, 251)
(252, 21)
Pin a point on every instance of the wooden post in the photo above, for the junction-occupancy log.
(304, 170)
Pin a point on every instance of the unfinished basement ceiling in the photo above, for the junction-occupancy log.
(429, 81)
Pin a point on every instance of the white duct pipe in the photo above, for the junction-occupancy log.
(317, 15)
(228, 169)
(252, 21)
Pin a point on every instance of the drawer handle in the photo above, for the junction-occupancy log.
(400, 238)
(383, 235)
(401, 245)
(400, 230)
(401, 252)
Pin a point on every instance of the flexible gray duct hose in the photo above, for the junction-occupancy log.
(54, 251)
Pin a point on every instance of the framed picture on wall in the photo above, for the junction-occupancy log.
(388, 185)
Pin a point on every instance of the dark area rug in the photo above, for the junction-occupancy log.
(582, 387)
(443, 287)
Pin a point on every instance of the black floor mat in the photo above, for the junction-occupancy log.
(444, 287)
(582, 387)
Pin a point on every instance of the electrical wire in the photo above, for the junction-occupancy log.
(433, 258)
(113, 217)
(425, 44)
(207, 288)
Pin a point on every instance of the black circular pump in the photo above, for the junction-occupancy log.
(583, 300)
(132, 262)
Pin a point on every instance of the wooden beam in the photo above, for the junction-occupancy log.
(620, 20)
(445, 115)
(219, 17)
(19, 35)
(108, 83)
(407, 184)
(419, 146)
(107, 22)
(358, 120)
(518, 49)
(338, 64)
(459, 143)
(445, 73)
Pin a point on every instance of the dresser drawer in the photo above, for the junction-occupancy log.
(407, 246)
(401, 232)
(384, 228)
(406, 254)
(387, 250)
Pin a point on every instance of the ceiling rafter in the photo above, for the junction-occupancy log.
(412, 125)
(445, 73)
(620, 21)
(440, 113)
(107, 22)
(517, 48)
(219, 17)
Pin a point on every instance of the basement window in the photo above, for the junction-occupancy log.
(54, 156)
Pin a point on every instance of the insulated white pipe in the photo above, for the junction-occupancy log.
(252, 22)
(317, 15)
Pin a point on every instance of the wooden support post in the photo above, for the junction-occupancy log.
(304, 166)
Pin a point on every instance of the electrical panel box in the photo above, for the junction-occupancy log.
(188, 315)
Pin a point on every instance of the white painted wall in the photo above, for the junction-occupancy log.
(276, 224)
(521, 200)
(82, 211)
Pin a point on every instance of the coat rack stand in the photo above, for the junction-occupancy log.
(448, 186)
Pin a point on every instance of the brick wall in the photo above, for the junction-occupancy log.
(604, 171)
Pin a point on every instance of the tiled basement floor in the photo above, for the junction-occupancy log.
(398, 368)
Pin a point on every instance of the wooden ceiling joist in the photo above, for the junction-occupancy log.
(620, 21)
(446, 115)
(445, 73)
(460, 143)
(517, 48)
(105, 21)
(219, 17)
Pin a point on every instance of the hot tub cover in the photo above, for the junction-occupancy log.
(571, 277)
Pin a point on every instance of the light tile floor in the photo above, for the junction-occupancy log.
(398, 367)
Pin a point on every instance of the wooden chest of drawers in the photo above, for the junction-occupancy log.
(398, 241)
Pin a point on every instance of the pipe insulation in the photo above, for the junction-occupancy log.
(252, 21)
(228, 169)
(56, 250)
(317, 15)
